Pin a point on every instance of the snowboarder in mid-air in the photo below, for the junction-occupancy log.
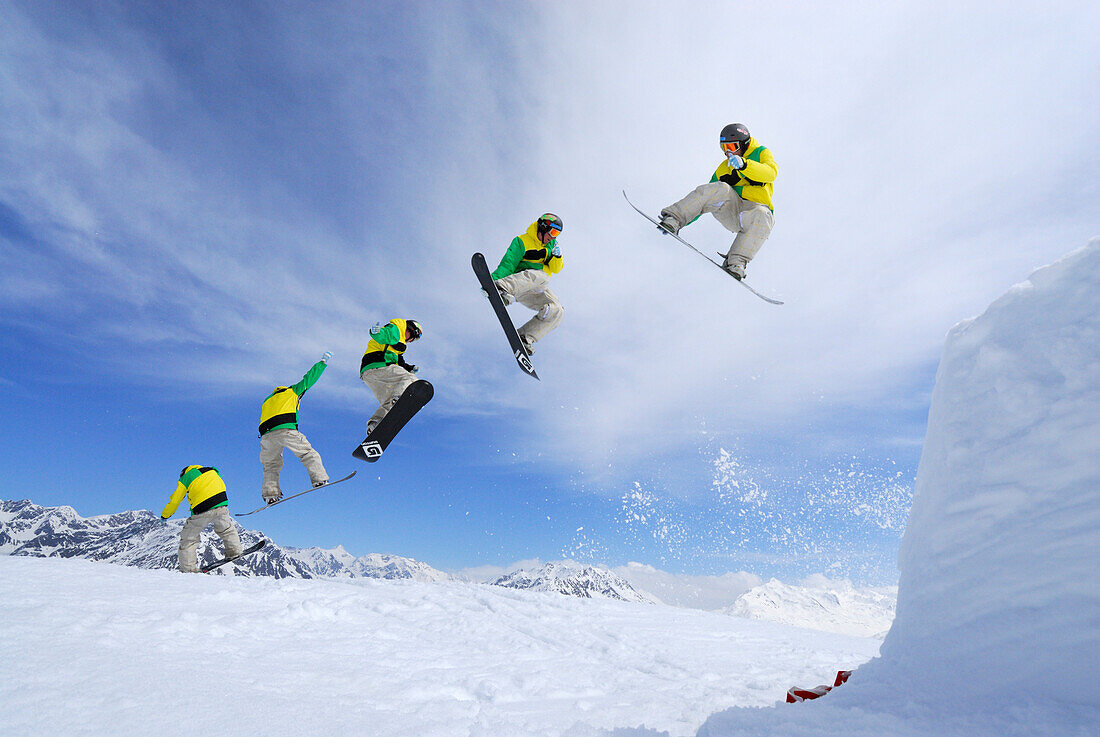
(279, 429)
(739, 195)
(383, 368)
(205, 491)
(524, 276)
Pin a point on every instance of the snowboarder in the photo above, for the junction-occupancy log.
(279, 429)
(383, 368)
(739, 195)
(524, 276)
(205, 491)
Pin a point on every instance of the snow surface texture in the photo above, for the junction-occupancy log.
(998, 616)
(998, 565)
(97, 649)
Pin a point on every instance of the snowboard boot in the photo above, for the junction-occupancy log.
(506, 298)
(319, 483)
(370, 427)
(527, 345)
(735, 265)
(669, 224)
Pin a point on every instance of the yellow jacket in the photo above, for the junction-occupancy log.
(526, 252)
(203, 488)
(280, 409)
(754, 182)
(387, 346)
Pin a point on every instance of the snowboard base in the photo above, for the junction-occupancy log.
(219, 563)
(485, 278)
(292, 496)
(415, 396)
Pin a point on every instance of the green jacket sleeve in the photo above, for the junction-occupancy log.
(388, 335)
(309, 379)
(511, 259)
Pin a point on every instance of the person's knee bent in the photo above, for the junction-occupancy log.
(552, 313)
(757, 221)
(711, 189)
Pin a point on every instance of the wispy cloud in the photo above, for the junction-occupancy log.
(902, 202)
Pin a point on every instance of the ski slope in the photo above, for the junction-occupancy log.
(98, 649)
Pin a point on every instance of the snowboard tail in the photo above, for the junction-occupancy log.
(415, 396)
(292, 496)
(490, 287)
(219, 563)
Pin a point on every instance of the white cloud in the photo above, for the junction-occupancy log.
(903, 202)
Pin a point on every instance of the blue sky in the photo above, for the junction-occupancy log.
(196, 203)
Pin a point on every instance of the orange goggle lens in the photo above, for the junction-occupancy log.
(731, 147)
(554, 232)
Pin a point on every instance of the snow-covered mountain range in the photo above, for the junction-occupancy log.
(828, 605)
(574, 579)
(140, 538)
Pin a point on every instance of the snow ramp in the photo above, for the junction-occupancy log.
(998, 615)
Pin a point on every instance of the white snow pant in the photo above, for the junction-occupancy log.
(387, 383)
(751, 221)
(271, 457)
(531, 288)
(192, 531)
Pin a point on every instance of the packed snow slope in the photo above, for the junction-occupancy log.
(998, 564)
(998, 614)
(98, 649)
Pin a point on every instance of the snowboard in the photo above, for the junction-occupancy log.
(486, 279)
(219, 563)
(415, 396)
(288, 498)
(742, 282)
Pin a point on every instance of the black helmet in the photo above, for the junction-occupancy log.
(547, 221)
(413, 327)
(734, 133)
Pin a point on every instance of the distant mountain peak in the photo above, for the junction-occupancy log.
(574, 579)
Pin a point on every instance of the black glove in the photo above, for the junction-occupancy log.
(730, 179)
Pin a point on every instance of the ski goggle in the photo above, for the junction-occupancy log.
(554, 231)
(731, 147)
